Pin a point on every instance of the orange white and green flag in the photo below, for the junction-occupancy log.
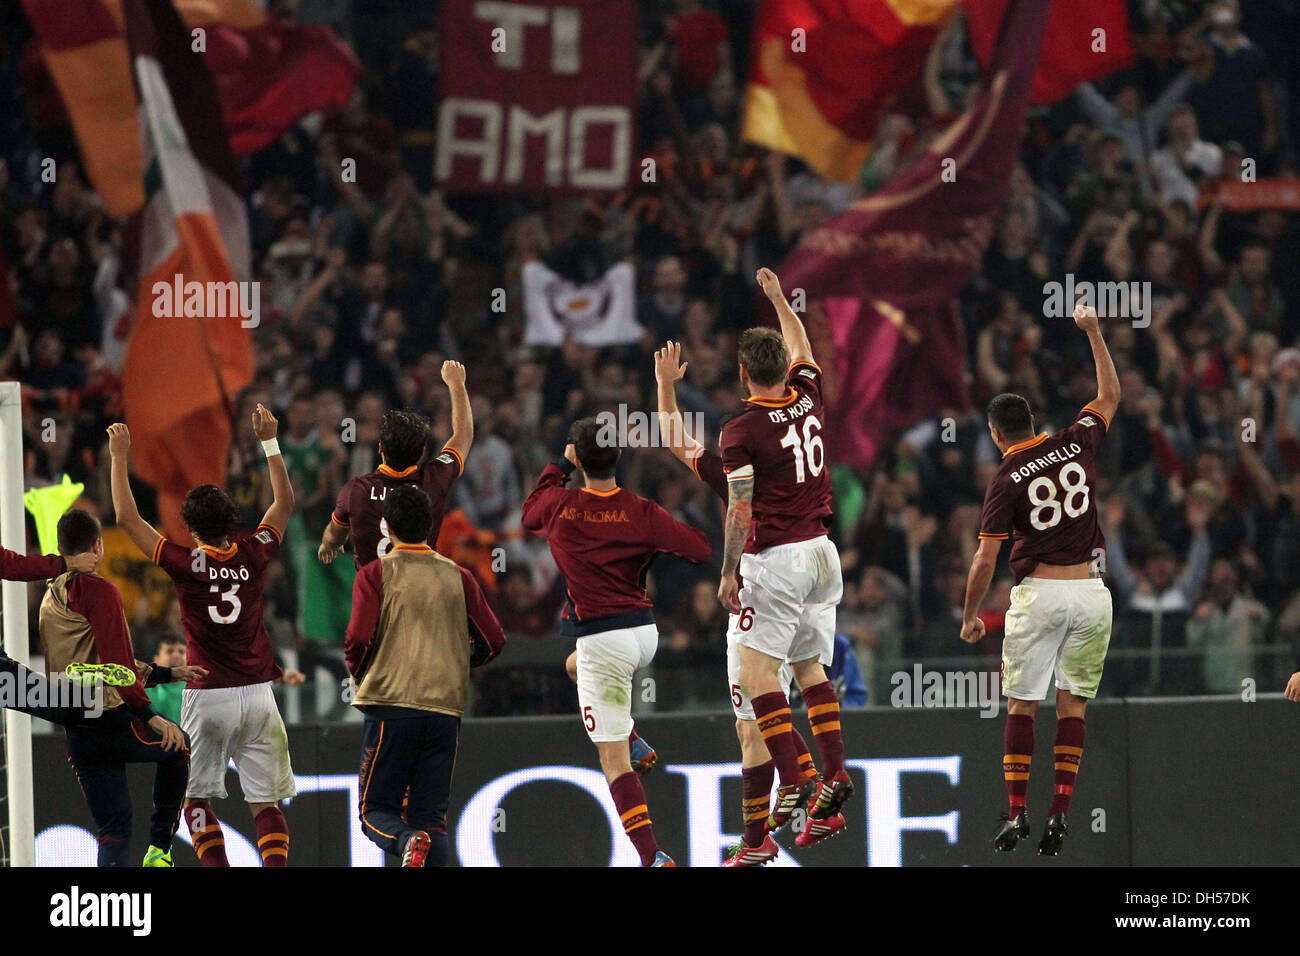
(182, 370)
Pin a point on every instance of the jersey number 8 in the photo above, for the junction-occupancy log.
(1043, 496)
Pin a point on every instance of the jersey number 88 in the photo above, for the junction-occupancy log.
(1047, 509)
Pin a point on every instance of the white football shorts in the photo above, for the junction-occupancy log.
(606, 664)
(240, 724)
(788, 599)
(1055, 628)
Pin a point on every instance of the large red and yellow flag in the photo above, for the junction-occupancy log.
(823, 71)
(182, 371)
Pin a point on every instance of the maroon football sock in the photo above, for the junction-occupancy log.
(205, 833)
(1070, 733)
(629, 799)
(773, 714)
(824, 716)
(806, 765)
(756, 797)
(273, 837)
(1017, 754)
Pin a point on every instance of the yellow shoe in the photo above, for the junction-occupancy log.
(156, 857)
(113, 675)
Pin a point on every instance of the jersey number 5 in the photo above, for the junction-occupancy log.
(809, 448)
(1047, 509)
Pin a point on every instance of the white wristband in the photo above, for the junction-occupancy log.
(271, 447)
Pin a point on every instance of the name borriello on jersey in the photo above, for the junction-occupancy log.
(1058, 456)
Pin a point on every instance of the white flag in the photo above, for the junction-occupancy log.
(597, 314)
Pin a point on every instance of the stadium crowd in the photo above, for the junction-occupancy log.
(367, 286)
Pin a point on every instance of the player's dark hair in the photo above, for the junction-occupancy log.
(764, 356)
(403, 435)
(409, 513)
(599, 458)
(1010, 415)
(78, 532)
(210, 514)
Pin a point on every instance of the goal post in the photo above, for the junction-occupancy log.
(21, 844)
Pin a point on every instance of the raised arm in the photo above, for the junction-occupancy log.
(462, 417)
(1099, 109)
(792, 330)
(538, 505)
(1107, 400)
(265, 427)
(142, 534)
(669, 369)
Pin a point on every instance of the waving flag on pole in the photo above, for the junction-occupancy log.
(182, 371)
(824, 71)
(886, 270)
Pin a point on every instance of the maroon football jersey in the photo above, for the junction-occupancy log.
(220, 594)
(707, 466)
(778, 442)
(360, 505)
(603, 543)
(1042, 497)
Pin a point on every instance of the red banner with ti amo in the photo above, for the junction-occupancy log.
(881, 276)
(537, 97)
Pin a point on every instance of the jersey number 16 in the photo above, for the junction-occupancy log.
(810, 448)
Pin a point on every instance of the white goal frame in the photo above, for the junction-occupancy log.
(13, 600)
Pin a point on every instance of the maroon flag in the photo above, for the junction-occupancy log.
(270, 77)
(537, 98)
(887, 269)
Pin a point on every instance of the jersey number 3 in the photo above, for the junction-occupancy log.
(230, 597)
(809, 448)
(1048, 508)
